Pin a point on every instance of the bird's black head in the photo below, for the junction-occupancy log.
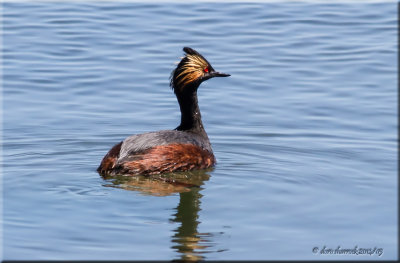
(191, 71)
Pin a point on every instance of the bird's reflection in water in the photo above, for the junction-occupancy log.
(187, 241)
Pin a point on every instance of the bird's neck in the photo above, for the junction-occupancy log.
(190, 112)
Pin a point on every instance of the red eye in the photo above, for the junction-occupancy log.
(206, 70)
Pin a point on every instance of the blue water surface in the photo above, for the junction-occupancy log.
(304, 130)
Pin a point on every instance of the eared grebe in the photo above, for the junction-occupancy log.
(185, 148)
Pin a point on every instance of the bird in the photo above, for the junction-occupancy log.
(185, 148)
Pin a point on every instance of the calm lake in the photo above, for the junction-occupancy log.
(304, 131)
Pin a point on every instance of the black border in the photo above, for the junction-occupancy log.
(398, 130)
(283, 261)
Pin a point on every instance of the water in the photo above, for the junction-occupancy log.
(304, 130)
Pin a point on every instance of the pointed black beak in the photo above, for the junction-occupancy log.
(219, 74)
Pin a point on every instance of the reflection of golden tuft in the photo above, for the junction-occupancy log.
(160, 185)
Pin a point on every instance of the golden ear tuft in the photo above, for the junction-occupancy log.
(193, 66)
